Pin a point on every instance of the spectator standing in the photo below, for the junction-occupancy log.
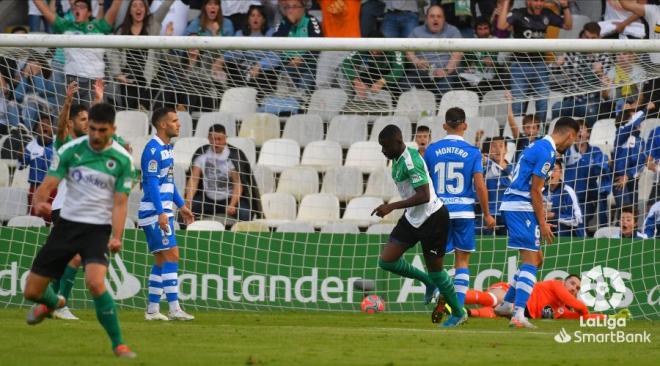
(401, 17)
(652, 221)
(341, 18)
(299, 65)
(37, 156)
(35, 19)
(220, 168)
(587, 171)
(459, 13)
(497, 173)
(626, 78)
(176, 18)
(129, 66)
(620, 23)
(83, 65)
(434, 70)
(529, 73)
(370, 12)
(481, 69)
(35, 92)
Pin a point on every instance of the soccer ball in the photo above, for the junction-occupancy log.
(373, 304)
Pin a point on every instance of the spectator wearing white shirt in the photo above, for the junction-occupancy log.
(621, 23)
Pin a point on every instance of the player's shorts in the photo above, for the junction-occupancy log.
(54, 216)
(157, 240)
(432, 233)
(461, 235)
(67, 239)
(523, 230)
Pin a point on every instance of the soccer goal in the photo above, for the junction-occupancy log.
(298, 121)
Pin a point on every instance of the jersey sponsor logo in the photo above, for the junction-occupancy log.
(153, 166)
(79, 177)
(110, 164)
(546, 168)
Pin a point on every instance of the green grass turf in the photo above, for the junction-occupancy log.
(311, 338)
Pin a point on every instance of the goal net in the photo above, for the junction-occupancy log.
(293, 128)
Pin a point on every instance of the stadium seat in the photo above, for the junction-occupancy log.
(319, 209)
(260, 127)
(4, 174)
(400, 121)
(366, 155)
(240, 102)
(250, 226)
(279, 154)
(206, 225)
(20, 179)
(131, 124)
(345, 182)
(380, 184)
(298, 181)
(278, 208)
(611, 232)
(303, 128)
(434, 123)
(208, 119)
(603, 134)
(648, 126)
(184, 149)
(134, 198)
(13, 202)
(295, 227)
(340, 228)
(347, 129)
(487, 124)
(137, 147)
(247, 146)
(467, 100)
(327, 103)
(186, 121)
(380, 229)
(26, 221)
(494, 104)
(415, 104)
(265, 178)
(359, 211)
(322, 155)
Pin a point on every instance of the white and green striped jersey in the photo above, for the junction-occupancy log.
(409, 172)
(92, 178)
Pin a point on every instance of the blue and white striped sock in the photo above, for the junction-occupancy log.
(461, 284)
(171, 284)
(524, 287)
(155, 289)
(510, 295)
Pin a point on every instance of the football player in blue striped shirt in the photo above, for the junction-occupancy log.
(456, 167)
(524, 213)
(156, 215)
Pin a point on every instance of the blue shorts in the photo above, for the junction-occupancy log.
(157, 240)
(461, 235)
(523, 230)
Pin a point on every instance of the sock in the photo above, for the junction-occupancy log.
(484, 312)
(443, 283)
(483, 298)
(524, 287)
(171, 284)
(55, 285)
(155, 289)
(67, 280)
(49, 298)
(405, 269)
(461, 284)
(106, 313)
(510, 295)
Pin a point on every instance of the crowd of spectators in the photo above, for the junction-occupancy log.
(617, 86)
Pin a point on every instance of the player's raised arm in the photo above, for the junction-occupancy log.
(64, 116)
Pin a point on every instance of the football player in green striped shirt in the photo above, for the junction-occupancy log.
(426, 220)
(98, 173)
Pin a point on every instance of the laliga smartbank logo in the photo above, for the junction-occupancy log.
(602, 330)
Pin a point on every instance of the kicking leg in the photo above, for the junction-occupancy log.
(391, 261)
(37, 289)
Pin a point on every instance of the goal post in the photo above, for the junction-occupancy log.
(301, 119)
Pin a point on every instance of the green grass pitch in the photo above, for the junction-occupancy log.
(311, 338)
